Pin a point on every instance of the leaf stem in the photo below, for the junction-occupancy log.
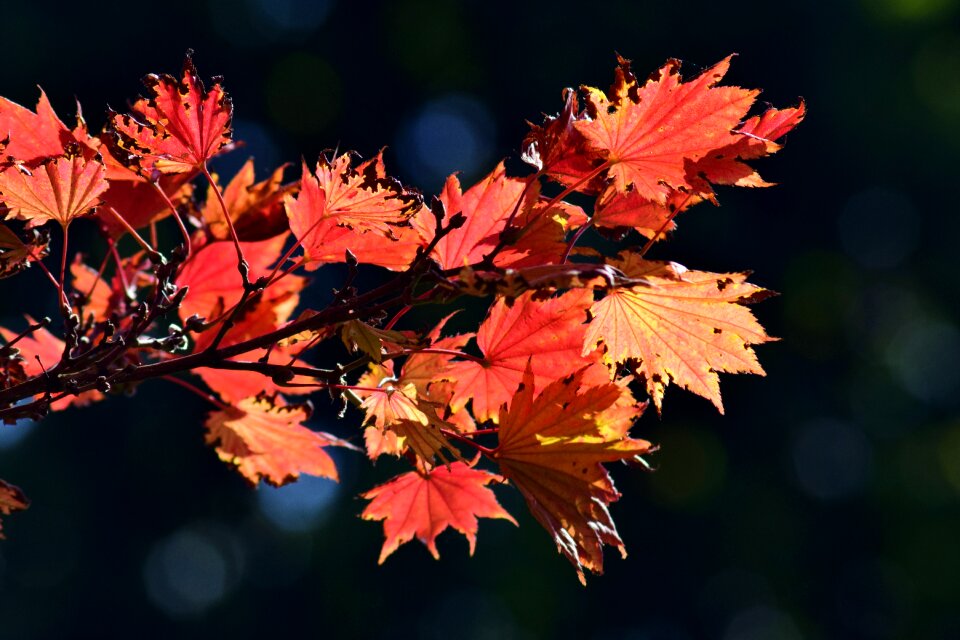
(133, 232)
(176, 216)
(242, 265)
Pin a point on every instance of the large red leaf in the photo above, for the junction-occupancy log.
(547, 334)
(423, 504)
(215, 287)
(552, 446)
(651, 133)
(486, 205)
(177, 128)
(34, 137)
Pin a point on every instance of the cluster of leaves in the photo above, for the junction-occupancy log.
(539, 398)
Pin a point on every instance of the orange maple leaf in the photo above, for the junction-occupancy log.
(681, 326)
(11, 499)
(755, 138)
(60, 189)
(266, 439)
(546, 334)
(37, 136)
(551, 448)
(256, 209)
(650, 133)
(417, 417)
(487, 206)
(177, 128)
(423, 504)
(359, 209)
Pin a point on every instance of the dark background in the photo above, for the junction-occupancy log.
(824, 504)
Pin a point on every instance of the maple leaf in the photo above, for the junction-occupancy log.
(37, 136)
(41, 351)
(551, 448)
(547, 334)
(16, 255)
(681, 326)
(360, 209)
(425, 397)
(423, 504)
(266, 439)
(11, 499)
(486, 205)
(256, 209)
(650, 133)
(177, 128)
(389, 403)
(60, 189)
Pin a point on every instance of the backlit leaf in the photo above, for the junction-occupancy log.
(551, 448)
(546, 334)
(177, 128)
(423, 504)
(679, 326)
(267, 441)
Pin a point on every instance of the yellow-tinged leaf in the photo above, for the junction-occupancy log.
(551, 447)
(679, 326)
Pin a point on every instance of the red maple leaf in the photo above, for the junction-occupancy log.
(61, 188)
(486, 205)
(177, 128)
(423, 504)
(359, 209)
(215, 287)
(649, 134)
(546, 335)
(36, 136)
